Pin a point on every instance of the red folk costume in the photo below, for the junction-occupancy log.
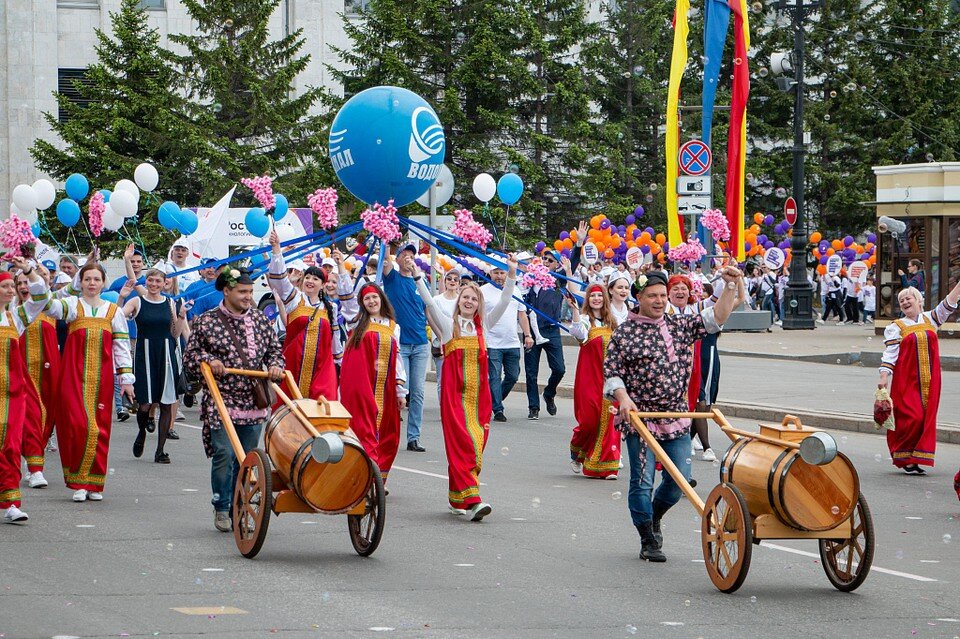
(369, 393)
(595, 442)
(692, 308)
(97, 347)
(912, 354)
(309, 344)
(39, 348)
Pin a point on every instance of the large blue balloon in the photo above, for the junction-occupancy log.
(68, 212)
(280, 207)
(77, 187)
(188, 222)
(510, 188)
(169, 215)
(35, 229)
(256, 221)
(387, 143)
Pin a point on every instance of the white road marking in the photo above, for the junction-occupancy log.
(423, 472)
(886, 571)
(463, 565)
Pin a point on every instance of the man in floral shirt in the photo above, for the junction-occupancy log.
(647, 368)
(216, 339)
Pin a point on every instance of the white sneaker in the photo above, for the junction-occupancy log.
(779, 322)
(80, 495)
(180, 416)
(457, 511)
(611, 477)
(479, 511)
(697, 446)
(14, 516)
(576, 466)
(709, 455)
(92, 496)
(52, 444)
(542, 340)
(820, 321)
(37, 480)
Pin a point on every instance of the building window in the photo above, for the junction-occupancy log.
(67, 80)
(153, 4)
(79, 4)
(355, 6)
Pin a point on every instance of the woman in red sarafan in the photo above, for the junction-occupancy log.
(910, 369)
(372, 387)
(465, 403)
(595, 444)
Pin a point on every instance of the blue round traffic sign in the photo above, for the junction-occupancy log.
(695, 158)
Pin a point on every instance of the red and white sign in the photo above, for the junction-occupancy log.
(790, 211)
(858, 271)
(695, 157)
(634, 258)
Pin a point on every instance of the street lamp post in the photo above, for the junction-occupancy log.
(798, 297)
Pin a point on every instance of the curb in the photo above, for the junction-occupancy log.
(850, 422)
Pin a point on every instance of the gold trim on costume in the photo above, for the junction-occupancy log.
(9, 339)
(309, 360)
(385, 345)
(925, 331)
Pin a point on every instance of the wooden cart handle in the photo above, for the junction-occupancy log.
(214, 391)
(665, 460)
(246, 372)
(792, 420)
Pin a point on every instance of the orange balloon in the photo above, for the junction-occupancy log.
(573, 235)
(662, 258)
(645, 237)
(821, 269)
(608, 254)
(755, 228)
(558, 245)
(655, 249)
(616, 241)
(758, 218)
(595, 222)
(568, 244)
(837, 245)
(815, 237)
(661, 238)
(831, 251)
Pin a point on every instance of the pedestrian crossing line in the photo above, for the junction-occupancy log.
(886, 571)
(423, 472)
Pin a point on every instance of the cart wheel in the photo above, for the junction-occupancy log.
(847, 561)
(366, 529)
(252, 501)
(727, 537)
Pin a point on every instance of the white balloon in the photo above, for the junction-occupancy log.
(46, 193)
(286, 232)
(25, 197)
(30, 216)
(146, 177)
(484, 187)
(112, 221)
(123, 203)
(127, 185)
(442, 189)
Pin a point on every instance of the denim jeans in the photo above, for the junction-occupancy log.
(641, 496)
(415, 358)
(767, 304)
(504, 371)
(531, 364)
(224, 465)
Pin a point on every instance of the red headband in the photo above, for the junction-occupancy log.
(594, 287)
(679, 279)
(5, 275)
(369, 288)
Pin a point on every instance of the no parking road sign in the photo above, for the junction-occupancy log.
(695, 158)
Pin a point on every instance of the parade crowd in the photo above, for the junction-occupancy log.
(76, 359)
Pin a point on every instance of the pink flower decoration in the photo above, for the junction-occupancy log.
(690, 251)
(15, 235)
(323, 202)
(469, 230)
(716, 222)
(262, 188)
(96, 209)
(538, 275)
(382, 222)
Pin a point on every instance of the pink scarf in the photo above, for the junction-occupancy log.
(661, 324)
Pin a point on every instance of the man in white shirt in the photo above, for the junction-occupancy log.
(179, 253)
(503, 344)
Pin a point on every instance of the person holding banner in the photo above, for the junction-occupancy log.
(913, 353)
(310, 344)
(465, 403)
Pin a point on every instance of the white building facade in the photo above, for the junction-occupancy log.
(44, 42)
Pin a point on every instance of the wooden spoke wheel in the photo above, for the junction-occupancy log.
(847, 561)
(727, 537)
(366, 529)
(252, 502)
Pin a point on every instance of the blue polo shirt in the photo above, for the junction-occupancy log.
(205, 297)
(407, 306)
(115, 286)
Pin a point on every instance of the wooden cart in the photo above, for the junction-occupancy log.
(770, 489)
(318, 466)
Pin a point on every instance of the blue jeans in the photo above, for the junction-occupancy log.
(504, 371)
(768, 304)
(224, 465)
(531, 364)
(415, 358)
(641, 496)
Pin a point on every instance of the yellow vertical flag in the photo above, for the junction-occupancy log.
(678, 65)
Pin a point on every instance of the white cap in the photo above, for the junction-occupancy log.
(181, 242)
(298, 264)
(328, 261)
(523, 255)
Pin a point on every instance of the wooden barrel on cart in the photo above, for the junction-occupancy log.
(775, 480)
(330, 488)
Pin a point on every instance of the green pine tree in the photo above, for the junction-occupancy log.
(135, 115)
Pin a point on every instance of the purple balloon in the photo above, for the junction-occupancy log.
(666, 247)
(605, 224)
(645, 249)
(564, 235)
(650, 230)
(823, 246)
(762, 240)
(638, 211)
(632, 219)
(823, 259)
(540, 246)
(623, 229)
(566, 253)
(872, 238)
(637, 233)
(768, 220)
(848, 240)
(768, 244)
(784, 245)
(747, 246)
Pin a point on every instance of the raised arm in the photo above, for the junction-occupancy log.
(283, 290)
(39, 293)
(507, 295)
(131, 275)
(725, 304)
(441, 322)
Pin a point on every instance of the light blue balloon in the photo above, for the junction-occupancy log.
(35, 229)
(280, 207)
(106, 193)
(77, 187)
(169, 215)
(68, 212)
(110, 296)
(188, 222)
(510, 188)
(387, 143)
(256, 221)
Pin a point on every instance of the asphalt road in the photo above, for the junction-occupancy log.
(557, 558)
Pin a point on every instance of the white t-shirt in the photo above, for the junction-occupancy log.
(504, 333)
(869, 297)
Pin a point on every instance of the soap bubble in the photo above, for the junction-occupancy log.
(899, 554)
(753, 600)
(504, 451)
(573, 537)
(112, 471)
(928, 495)
(535, 502)
(763, 72)
(738, 61)
(878, 457)
(649, 198)
(616, 495)
(858, 36)
(756, 7)
(833, 94)
(631, 629)
(686, 603)
(653, 186)
(780, 192)
(947, 538)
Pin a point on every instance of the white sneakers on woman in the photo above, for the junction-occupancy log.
(37, 480)
(576, 466)
(80, 495)
(14, 516)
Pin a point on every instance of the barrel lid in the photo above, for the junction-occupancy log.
(323, 411)
(791, 430)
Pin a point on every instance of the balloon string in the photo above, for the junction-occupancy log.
(493, 225)
(506, 220)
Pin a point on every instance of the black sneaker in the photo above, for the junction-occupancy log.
(499, 417)
(151, 425)
(415, 446)
(122, 415)
(534, 413)
(551, 405)
(189, 400)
